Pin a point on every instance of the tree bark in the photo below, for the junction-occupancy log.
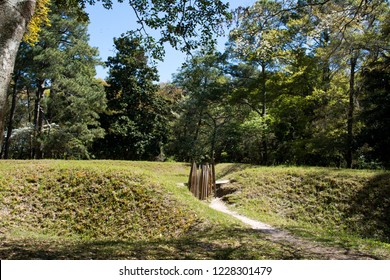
(351, 110)
(11, 119)
(264, 112)
(14, 17)
(213, 138)
(38, 122)
(263, 89)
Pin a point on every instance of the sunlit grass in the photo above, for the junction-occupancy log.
(136, 210)
(335, 206)
(114, 209)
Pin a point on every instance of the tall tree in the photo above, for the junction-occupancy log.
(67, 96)
(14, 17)
(352, 33)
(20, 84)
(204, 108)
(260, 39)
(375, 136)
(306, 102)
(136, 121)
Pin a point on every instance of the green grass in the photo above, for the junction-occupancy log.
(350, 208)
(135, 210)
(116, 210)
(92, 202)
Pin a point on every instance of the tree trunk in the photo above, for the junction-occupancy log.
(14, 17)
(11, 119)
(263, 90)
(325, 62)
(213, 139)
(38, 122)
(264, 112)
(195, 139)
(351, 109)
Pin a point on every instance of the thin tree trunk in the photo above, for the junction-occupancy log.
(325, 63)
(263, 90)
(11, 119)
(195, 139)
(351, 109)
(214, 137)
(29, 105)
(30, 112)
(198, 128)
(14, 17)
(38, 122)
(264, 112)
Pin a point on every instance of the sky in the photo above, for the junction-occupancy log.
(108, 24)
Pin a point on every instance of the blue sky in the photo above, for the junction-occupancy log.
(107, 24)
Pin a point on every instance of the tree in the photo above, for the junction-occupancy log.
(180, 22)
(204, 110)
(246, 93)
(295, 86)
(260, 39)
(12, 27)
(136, 118)
(294, 108)
(68, 98)
(20, 84)
(352, 35)
(374, 137)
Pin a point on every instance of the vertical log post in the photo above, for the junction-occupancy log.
(201, 182)
(192, 181)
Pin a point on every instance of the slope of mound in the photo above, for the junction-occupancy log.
(89, 201)
(135, 210)
(332, 200)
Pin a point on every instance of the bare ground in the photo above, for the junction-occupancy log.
(311, 248)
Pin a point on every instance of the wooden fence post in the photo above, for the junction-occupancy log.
(214, 186)
(192, 181)
(201, 182)
(205, 172)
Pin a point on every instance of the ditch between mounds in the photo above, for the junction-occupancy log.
(282, 236)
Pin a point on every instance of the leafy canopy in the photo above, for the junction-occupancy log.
(184, 24)
(135, 121)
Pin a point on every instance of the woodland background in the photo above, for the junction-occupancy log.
(299, 83)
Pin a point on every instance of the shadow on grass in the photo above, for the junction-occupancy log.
(370, 209)
(226, 169)
(226, 244)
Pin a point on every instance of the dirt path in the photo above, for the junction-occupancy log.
(310, 248)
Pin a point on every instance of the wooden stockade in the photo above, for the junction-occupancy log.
(202, 180)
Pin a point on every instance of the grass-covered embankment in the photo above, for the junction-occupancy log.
(348, 207)
(93, 202)
(135, 210)
(116, 210)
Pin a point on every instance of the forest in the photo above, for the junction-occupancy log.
(300, 82)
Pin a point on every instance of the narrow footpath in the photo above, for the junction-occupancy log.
(312, 249)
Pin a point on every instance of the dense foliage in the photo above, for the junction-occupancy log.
(55, 96)
(300, 82)
(304, 87)
(135, 122)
